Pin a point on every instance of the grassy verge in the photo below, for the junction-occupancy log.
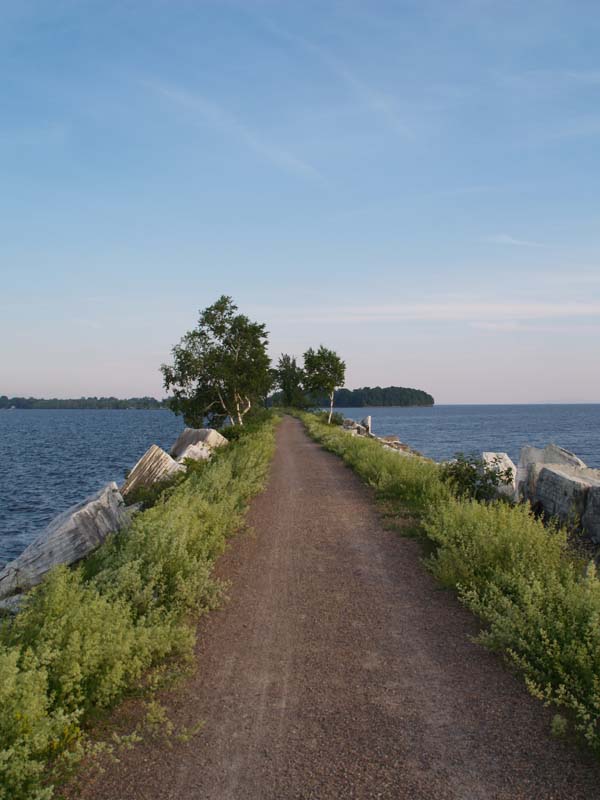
(539, 601)
(89, 635)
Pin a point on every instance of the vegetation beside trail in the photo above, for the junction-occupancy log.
(88, 636)
(539, 601)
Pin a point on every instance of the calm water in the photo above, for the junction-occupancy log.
(441, 431)
(50, 460)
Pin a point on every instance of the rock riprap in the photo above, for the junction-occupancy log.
(66, 540)
(190, 436)
(502, 462)
(154, 466)
(196, 452)
(533, 459)
(564, 492)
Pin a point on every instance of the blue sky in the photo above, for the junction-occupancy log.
(415, 184)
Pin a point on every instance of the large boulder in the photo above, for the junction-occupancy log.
(189, 436)
(196, 452)
(591, 517)
(563, 491)
(532, 461)
(366, 423)
(501, 462)
(154, 466)
(66, 540)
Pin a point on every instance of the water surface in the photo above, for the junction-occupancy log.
(52, 459)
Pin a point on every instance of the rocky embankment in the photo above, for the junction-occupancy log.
(81, 529)
(555, 481)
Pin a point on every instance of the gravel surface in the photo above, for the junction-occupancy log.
(338, 669)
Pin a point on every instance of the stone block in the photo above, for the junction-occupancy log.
(154, 466)
(67, 539)
(189, 436)
(562, 491)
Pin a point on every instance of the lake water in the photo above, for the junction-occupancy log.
(441, 431)
(50, 460)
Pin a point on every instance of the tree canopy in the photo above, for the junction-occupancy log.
(221, 368)
(324, 371)
(289, 379)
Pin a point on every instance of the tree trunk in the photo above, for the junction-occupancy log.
(330, 408)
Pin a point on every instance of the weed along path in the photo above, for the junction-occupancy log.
(338, 669)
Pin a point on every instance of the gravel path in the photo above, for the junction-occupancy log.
(338, 669)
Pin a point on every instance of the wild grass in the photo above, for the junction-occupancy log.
(87, 636)
(538, 599)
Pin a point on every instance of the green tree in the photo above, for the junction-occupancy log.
(288, 378)
(324, 371)
(220, 369)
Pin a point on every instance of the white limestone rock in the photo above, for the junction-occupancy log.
(189, 436)
(501, 462)
(562, 491)
(591, 517)
(12, 604)
(531, 462)
(196, 452)
(66, 540)
(154, 466)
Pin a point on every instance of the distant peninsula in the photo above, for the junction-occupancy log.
(82, 402)
(372, 396)
(382, 396)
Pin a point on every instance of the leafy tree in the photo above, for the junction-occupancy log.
(289, 377)
(220, 369)
(324, 370)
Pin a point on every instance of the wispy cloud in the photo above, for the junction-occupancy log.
(551, 80)
(505, 238)
(218, 118)
(524, 327)
(377, 102)
(449, 311)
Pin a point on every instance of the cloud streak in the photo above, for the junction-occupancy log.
(221, 120)
(471, 312)
(372, 98)
(506, 239)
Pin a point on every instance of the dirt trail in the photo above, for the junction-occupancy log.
(338, 669)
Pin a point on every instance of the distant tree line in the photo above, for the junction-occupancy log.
(386, 396)
(82, 402)
(358, 398)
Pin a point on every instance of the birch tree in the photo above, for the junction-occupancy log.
(324, 372)
(220, 368)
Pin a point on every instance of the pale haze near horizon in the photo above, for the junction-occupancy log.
(414, 184)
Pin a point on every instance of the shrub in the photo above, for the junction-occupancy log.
(323, 416)
(471, 477)
(87, 636)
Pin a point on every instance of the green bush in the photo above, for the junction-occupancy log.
(87, 636)
(538, 599)
(323, 416)
(470, 477)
